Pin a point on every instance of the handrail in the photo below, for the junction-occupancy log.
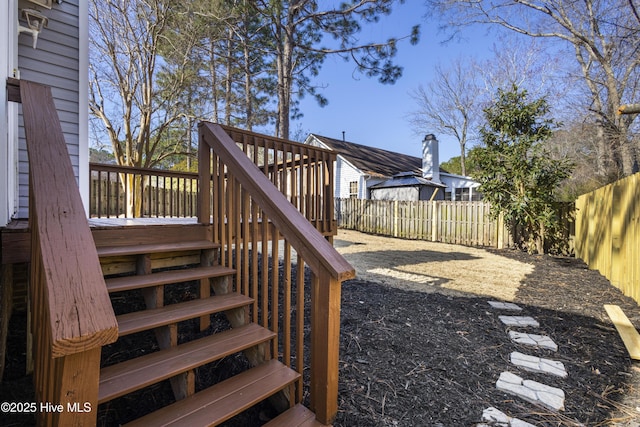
(296, 228)
(243, 193)
(71, 312)
(238, 136)
(107, 167)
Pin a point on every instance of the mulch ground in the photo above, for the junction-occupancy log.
(415, 359)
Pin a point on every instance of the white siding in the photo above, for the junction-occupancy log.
(55, 62)
(345, 175)
(457, 181)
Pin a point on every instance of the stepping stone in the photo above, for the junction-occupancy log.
(519, 321)
(538, 364)
(539, 341)
(499, 305)
(498, 418)
(531, 391)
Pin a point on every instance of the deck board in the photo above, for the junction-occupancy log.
(627, 331)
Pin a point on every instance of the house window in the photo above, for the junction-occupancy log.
(353, 190)
(462, 194)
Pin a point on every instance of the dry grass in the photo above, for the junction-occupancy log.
(431, 267)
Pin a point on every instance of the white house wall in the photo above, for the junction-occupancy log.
(458, 181)
(56, 62)
(346, 174)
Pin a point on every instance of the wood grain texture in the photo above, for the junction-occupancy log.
(224, 400)
(627, 331)
(294, 227)
(75, 296)
(134, 374)
(298, 416)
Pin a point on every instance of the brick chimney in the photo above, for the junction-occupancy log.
(430, 158)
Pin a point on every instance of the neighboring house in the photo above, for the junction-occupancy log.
(59, 55)
(365, 172)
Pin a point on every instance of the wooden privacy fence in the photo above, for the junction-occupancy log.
(462, 223)
(608, 233)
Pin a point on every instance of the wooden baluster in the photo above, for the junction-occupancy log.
(246, 219)
(275, 261)
(300, 324)
(254, 260)
(286, 309)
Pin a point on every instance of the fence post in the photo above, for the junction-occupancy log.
(434, 221)
(395, 218)
(500, 227)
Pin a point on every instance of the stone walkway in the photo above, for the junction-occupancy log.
(539, 394)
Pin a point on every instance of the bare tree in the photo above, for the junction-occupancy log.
(522, 62)
(124, 44)
(450, 105)
(603, 35)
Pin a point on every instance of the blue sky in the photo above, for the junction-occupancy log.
(374, 114)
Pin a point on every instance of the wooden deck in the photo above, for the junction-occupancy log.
(128, 222)
(287, 202)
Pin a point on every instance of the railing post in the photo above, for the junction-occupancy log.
(204, 176)
(79, 375)
(325, 345)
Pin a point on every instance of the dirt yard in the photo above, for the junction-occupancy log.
(432, 267)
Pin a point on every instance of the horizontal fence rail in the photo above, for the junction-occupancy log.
(608, 233)
(462, 223)
(123, 191)
(268, 241)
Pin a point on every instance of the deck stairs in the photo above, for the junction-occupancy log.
(146, 270)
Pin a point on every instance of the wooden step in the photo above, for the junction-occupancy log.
(122, 378)
(118, 284)
(224, 400)
(148, 319)
(107, 251)
(298, 416)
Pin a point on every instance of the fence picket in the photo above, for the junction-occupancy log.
(465, 223)
(607, 233)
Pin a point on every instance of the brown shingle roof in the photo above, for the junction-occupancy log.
(371, 160)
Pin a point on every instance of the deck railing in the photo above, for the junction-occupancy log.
(71, 314)
(124, 191)
(260, 230)
(302, 172)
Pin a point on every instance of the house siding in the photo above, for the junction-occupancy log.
(346, 174)
(56, 63)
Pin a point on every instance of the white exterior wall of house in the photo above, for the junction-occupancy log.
(61, 52)
(345, 174)
(454, 182)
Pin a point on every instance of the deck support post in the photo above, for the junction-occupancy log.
(325, 344)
